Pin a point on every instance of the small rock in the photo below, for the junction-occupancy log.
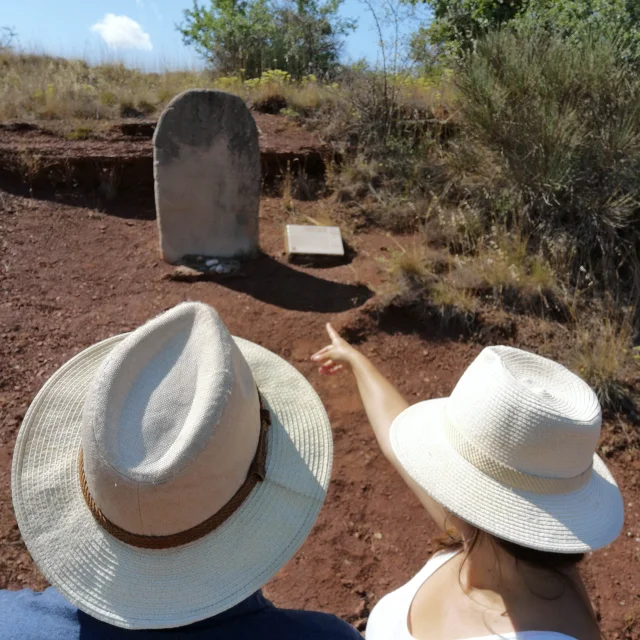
(377, 536)
(183, 273)
(212, 261)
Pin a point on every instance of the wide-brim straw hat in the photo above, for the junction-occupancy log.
(512, 451)
(169, 422)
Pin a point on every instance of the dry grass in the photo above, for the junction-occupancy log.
(458, 228)
(505, 262)
(396, 214)
(453, 302)
(355, 180)
(44, 87)
(308, 97)
(268, 97)
(602, 354)
(40, 87)
(427, 96)
(409, 267)
(81, 132)
(502, 269)
(418, 276)
(409, 273)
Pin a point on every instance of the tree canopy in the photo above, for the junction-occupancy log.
(457, 24)
(249, 37)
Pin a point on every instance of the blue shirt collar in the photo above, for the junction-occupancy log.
(254, 603)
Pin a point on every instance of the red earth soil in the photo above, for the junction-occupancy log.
(126, 139)
(71, 276)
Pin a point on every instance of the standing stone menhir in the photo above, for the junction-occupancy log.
(206, 164)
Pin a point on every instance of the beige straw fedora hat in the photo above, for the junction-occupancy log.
(162, 476)
(512, 451)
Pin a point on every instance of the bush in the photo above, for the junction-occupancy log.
(457, 25)
(391, 121)
(251, 37)
(561, 122)
(618, 19)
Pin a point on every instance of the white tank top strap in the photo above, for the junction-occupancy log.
(433, 564)
(388, 620)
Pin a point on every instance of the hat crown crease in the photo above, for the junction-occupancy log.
(526, 413)
(171, 423)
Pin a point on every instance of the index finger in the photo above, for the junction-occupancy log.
(333, 334)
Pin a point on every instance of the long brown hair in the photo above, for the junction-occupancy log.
(557, 564)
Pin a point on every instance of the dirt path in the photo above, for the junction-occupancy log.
(70, 277)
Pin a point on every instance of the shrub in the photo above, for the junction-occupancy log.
(561, 122)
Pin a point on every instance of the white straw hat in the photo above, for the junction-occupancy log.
(151, 488)
(512, 451)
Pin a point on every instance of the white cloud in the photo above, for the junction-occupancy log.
(121, 32)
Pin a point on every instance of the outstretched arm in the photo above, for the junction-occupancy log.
(382, 403)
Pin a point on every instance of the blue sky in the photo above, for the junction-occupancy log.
(139, 32)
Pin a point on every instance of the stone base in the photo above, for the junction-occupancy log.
(195, 267)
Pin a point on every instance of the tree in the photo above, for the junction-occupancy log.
(7, 37)
(232, 35)
(310, 37)
(458, 24)
(615, 20)
(251, 36)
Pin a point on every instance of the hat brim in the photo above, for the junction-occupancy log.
(138, 588)
(575, 522)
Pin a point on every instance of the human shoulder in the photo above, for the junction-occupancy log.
(31, 615)
(311, 625)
